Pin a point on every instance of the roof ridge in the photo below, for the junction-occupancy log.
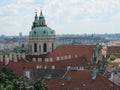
(64, 74)
(103, 80)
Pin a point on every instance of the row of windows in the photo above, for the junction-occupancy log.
(42, 59)
(44, 32)
(44, 47)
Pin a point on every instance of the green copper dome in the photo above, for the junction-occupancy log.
(42, 31)
(39, 27)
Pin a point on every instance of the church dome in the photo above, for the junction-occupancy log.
(39, 27)
(42, 39)
(42, 31)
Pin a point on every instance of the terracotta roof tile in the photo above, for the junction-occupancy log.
(79, 50)
(81, 80)
(113, 50)
(21, 66)
(80, 56)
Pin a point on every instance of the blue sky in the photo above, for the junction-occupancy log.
(64, 16)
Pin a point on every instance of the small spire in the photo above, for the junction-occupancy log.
(35, 12)
(41, 13)
(36, 17)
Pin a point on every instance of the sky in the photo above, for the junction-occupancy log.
(63, 16)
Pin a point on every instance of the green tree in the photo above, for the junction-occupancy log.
(21, 49)
(39, 85)
(112, 57)
(1, 87)
(9, 87)
(7, 70)
(10, 81)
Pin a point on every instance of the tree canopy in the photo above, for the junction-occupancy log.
(112, 57)
(10, 81)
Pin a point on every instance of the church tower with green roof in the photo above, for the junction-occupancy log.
(42, 39)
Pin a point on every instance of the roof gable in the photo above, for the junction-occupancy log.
(72, 50)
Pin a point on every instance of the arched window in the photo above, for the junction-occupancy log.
(35, 47)
(45, 47)
(42, 23)
(52, 46)
(39, 48)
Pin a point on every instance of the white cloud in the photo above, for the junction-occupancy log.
(62, 15)
(24, 1)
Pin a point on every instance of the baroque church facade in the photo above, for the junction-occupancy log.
(42, 39)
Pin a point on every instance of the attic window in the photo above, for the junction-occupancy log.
(81, 68)
(76, 56)
(57, 58)
(61, 57)
(69, 56)
(84, 84)
(51, 59)
(27, 74)
(53, 67)
(65, 57)
(48, 76)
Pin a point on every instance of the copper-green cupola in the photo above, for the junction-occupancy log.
(42, 20)
(39, 27)
(41, 37)
(41, 15)
(35, 22)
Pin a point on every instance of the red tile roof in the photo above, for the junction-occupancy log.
(79, 50)
(113, 50)
(21, 65)
(79, 61)
(80, 55)
(81, 80)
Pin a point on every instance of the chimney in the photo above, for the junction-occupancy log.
(19, 56)
(6, 60)
(23, 55)
(15, 57)
(10, 56)
(1, 58)
(53, 66)
(34, 59)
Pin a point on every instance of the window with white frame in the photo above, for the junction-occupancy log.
(57, 58)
